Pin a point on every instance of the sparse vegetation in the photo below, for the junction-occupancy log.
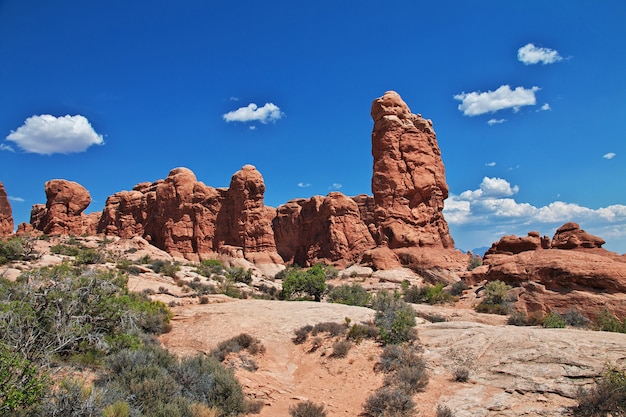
(165, 267)
(307, 409)
(353, 295)
(394, 317)
(495, 299)
(444, 411)
(237, 344)
(341, 349)
(474, 262)
(605, 321)
(429, 294)
(553, 320)
(16, 249)
(389, 401)
(606, 398)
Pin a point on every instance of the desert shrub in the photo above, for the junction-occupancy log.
(14, 249)
(444, 411)
(127, 265)
(431, 317)
(461, 374)
(22, 383)
(67, 250)
(575, 318)
(307, 409)
(353, 295)
(89, 256)
(302, 334)
(394, 317)
(553, 320)
(358, 332)
(341, 348)
(332, 328)
(474, 262)
(203, 299)
(389, 402)
(208, 267)
(430, 294)
(238, 274)
(165, 267)
(458, 288)
(410, 378)
(236, 344)
(394, 357)
(117, 409)
(606, 398)
(605, 321)
(298, 283)
(72, 398)
(495, 299)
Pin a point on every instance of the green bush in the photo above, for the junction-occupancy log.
(299, 283)
(237, 274)
(474, 262)
(495, 299)
(14, 249)
(208, 267)
(67, 250)
(394, 317)
(352, 295)
(165, 267)
(431, 294)
(605, 321)
(22, 383)
(389, 401)
(553, 320)
(307, 409)
(358, 332)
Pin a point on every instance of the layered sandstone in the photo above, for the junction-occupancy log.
(408, 181)
(6, 214)
(569, 272)
(63, 213)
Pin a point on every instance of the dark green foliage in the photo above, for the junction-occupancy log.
(307, 409)
(14, 249)
(458, 288)
(165, 267)
(127, 266)
(236, 344)
(474, 262)
(358, 332)
(394, 317)
(606, 398)
(341, 349)
(22, 383)
(430, 294)
(237, 274)
(389, 401)
(67, 250)
(299, 283)
(605, 321)
(553, 320)
(352, 295)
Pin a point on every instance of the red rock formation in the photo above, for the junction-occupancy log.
(63, 212)
(570, 236)
(244, 220)
(408, 182)
(321, 229)
(571, 273)
(6, 214)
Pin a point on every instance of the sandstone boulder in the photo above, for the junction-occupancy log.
(510, 245)
(63, 213)
(6, 214)
(571, 236)
(408, 181)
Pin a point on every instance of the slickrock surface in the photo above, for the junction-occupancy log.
(6, 214)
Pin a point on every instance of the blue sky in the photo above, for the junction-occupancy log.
(528, 99)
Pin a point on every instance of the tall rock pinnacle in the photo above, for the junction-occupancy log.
(408, 182)
(6, 214)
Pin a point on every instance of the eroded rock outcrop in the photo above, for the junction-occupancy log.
(321, 229)
(569, 272)
(63, 213)
(6, 214)
(408, 182)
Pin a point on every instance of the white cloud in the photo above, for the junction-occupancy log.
(16, 199)
(46, 135)
(609, 155)
(490, 164)
(530, 54)
(492, 122)
(234, 98)
(268, 113)
(475, 103)
(4, 147)
(303, 184)
(335, 186)
(252, 127)
(481, 217)
(546, 107)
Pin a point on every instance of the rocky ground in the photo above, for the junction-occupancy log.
(513, 371)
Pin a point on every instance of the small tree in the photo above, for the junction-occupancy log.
(394, 317)
(299, 282)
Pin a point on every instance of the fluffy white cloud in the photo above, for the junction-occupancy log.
(5, 147)
(475, 103)
(609, 155)
(253, 113)
(530, 54)
(492, 122)
(481, 217)
(546, 107)
(490, 164)
(16, 199)
(46, 134)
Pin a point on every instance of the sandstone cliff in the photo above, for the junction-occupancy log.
(6, 214)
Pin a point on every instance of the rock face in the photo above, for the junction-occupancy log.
(321, 229)
(63, 212)
(408, 182)
(569, 272)
(6, 214)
